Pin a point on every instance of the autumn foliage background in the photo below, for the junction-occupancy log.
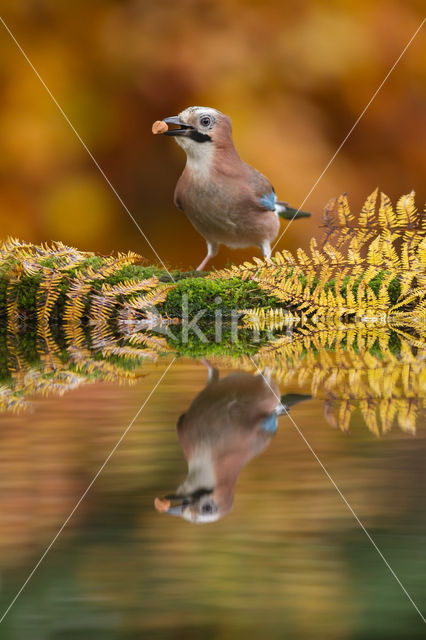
(293, 76)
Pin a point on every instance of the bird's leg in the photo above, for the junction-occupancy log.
(213, 372)
(265, 248)
(211, 252)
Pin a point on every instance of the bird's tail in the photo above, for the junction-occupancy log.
(289, 400)
(288, 213)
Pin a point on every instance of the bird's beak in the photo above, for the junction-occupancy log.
(182, 130)
(176, 510)
(164, 505)
(180, 501)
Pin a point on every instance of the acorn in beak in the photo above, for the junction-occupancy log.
(174, 504)
(182, 128)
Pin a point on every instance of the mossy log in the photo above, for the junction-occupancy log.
(193, 292)
(58, 296)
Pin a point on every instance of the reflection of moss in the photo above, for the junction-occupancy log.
(4, 369)
(394, 343)
(127, 364)
(196, 347)
(3, 290)
(28, 346)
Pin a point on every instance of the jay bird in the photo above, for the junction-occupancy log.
(231, 421)
(226, 200)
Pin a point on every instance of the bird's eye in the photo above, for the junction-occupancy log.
(209, 507)
(205, 121)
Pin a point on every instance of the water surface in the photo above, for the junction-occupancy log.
(289, 559)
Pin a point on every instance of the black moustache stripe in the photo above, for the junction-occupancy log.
(199, 493)
(199, 137)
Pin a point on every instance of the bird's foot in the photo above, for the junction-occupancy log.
(204, 262)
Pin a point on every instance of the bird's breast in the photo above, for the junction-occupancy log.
(223, 210)
(205, 202)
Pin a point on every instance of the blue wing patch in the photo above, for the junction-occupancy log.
(269, 424)
(268, 201)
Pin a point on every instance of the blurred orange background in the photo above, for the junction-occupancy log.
(293, 76)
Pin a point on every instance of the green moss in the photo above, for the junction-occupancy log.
(197, 294)
(139, 272)
(26, 291)
(394, 290)
(394, 287)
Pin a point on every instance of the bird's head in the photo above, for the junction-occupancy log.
(199, 507)
(198, 128)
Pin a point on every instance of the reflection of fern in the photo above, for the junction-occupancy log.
(374, 268)
(355, 368)
(410, 325)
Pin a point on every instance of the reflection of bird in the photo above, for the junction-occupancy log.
(230, 422)
(226, 200)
